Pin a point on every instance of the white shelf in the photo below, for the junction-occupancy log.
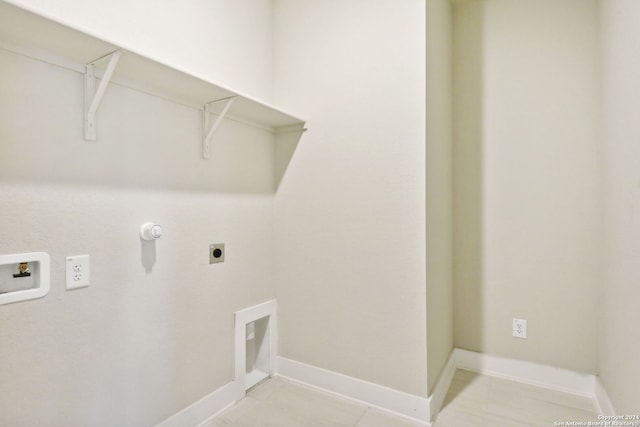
(27, 33)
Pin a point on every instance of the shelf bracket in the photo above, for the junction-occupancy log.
(208, 133)
(93, 96)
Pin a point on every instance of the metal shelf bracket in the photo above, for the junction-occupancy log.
(93, 96)
(208, 132)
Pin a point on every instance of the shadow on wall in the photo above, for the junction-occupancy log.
(286, 144)
(142, 141)
(468, 175)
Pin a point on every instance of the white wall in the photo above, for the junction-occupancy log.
(468, 83)
(439, 189)
(154, 331)
(350, 211)
(526, 159)
(619, 343)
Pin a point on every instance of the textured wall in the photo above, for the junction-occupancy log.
(350, 212)
(439, 188)
(527, 179)
(154, 331)
(619, 318)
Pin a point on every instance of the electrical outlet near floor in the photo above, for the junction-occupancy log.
(519, 328)
(78, 272)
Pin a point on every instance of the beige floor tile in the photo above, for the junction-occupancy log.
(266, 388)
(265, 415)
(473, 400)
(376, 418)
(233, 414)
(501, 387)
(476, 400)
(316, 407)
(280, 403)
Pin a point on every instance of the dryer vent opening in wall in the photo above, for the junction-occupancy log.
(257, 364)
(256, 343)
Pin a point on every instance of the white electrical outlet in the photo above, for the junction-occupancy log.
(519, 328)
(78, 272)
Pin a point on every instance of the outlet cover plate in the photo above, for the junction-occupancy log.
(519, 328)
(78, 271)
(216, 253)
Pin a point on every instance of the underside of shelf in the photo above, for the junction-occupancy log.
(30, 34)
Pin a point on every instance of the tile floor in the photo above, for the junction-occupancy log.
(474, 400)
(278, 402)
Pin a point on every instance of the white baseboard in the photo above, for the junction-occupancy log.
(423, 410)
(436, 399)
(564, 380)
(374, 395)
(601, 399)
(202, 411)
(527, 372)
(206, 408)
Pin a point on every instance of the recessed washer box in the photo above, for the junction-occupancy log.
(24, 276)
